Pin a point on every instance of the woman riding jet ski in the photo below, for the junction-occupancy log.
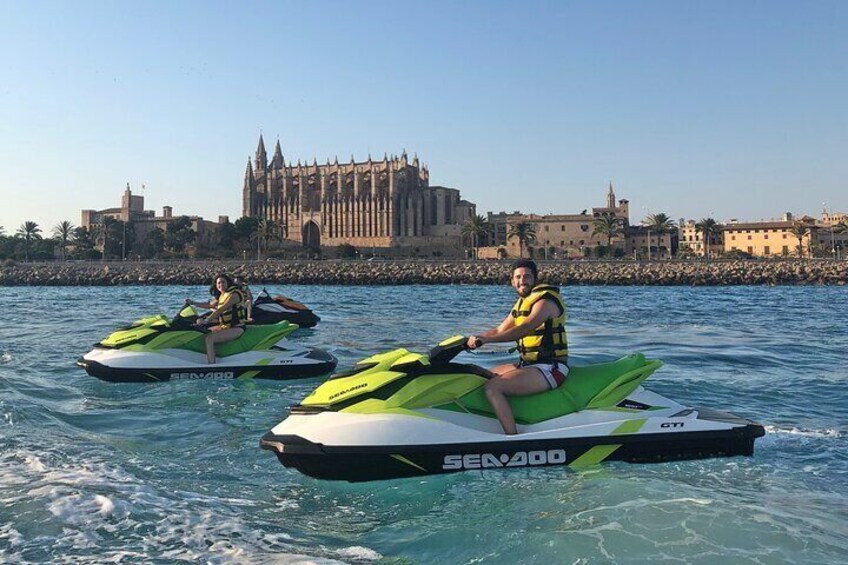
(402, 414)
(156, 349)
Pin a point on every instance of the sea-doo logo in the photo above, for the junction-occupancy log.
(347, 390)
(517, 459)
(206, 375)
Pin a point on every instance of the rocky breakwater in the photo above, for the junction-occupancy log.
(690, 273)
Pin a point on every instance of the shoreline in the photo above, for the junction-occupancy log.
(407, 272)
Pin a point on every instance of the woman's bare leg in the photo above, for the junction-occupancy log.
(219, 336)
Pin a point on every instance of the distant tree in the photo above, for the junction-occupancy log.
(738, 254)
(607, 224)
(840, 227)
(709, 228)
(245, 227)
(800, 231)
(818, 249)
(154, 244)
(685, 252)
(28, 232)
(266, 230)
(476, 227)
(84, 243)
(347, 251)
(179, 234)
(226, 236)
(659, 224)
(118, 238)
(525, 233)
(63, 233)
(2, 231)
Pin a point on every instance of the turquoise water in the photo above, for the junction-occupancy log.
(172, 472)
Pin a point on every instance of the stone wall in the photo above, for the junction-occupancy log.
(692, 273)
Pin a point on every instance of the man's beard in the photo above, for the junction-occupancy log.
(524, 291)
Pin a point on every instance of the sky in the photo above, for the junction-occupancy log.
(727, 109)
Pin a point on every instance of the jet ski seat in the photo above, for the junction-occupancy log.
(590, 386)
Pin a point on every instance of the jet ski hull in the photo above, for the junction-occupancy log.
(401, 414)
(301, 319)
(367, 463)
(117, 366)
(268, 310)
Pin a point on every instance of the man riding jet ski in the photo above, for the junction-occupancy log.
(158, 349)
(402, 414)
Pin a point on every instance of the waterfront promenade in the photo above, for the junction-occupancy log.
(356, 272)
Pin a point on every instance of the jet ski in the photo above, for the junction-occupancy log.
(402, 414)
(270, 310)
(157, 349)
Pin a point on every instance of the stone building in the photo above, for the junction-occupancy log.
(644, 243)
(387, 204)
(777, 238)
(689, 237)
(144, 221)
(557, 235)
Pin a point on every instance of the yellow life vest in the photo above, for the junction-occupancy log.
(233, 315)
(548, 342)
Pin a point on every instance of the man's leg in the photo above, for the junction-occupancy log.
(517, 382)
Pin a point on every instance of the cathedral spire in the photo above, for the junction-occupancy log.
(277, 162)
(261, 156)
(247, 190)
(611, 198)
(248, 173)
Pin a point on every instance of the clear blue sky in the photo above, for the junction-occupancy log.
(730, 109)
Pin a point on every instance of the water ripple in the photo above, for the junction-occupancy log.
(93, 472)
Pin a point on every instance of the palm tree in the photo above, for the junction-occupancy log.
(800, 231)
(660, 224)
(709, 228)
(63, 233)
(609, 225)
(525, 232)
(29, 232)
(267, 229)
(476, 226)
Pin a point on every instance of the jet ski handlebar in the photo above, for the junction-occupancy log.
(449, 348)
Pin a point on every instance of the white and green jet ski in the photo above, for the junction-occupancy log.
(158, 349)
(402, 414)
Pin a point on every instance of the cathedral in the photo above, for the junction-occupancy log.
(372, 204)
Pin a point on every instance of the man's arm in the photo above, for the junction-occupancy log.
(507, 323)
(542, 311)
